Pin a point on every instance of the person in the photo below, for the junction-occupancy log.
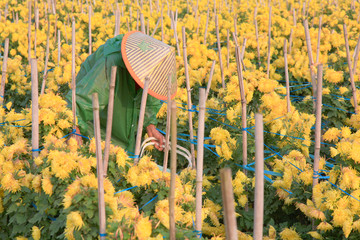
(136, 56)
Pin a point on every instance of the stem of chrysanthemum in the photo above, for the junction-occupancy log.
(173, 171)
(228, 203)
(259, 177)
(109, 119)
(200, 159)
(187, 78)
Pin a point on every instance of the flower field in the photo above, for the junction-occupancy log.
(55, 195)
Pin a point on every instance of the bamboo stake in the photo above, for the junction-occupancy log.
(147, 27)
(311, 60)
(90, 38)
(318, 42)
(168, 116)
(198, 25)
(350, 69)
(156, 26)
(109, 120)
(243, 53)
(235, 25)
(219, 50)
(228, 48)
(142, 23)
(141, 119)
(175, 33)
(187, 78)
(257, 36)
(269, 46)
(162, 22)
(4, 71)
(128, 25)
(243, 103)
(73, 81)
(200, 159)
(210, 79)
(99, 167)
(150, 4)
(137, 20)
(59, 48)
(206, 26)
(287, 77)
(117, 19)
(259, 178)
(228, 203)
(356, 55)
(290, 40)
(35, 109)
(173, 172)
(29, 31)
(317, 127)
(46, 58)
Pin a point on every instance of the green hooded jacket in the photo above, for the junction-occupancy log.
(94, 76)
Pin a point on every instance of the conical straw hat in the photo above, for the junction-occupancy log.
(145, 56)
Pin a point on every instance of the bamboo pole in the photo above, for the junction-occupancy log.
(142, 23)
(228, 204)
(162, 22)
(235, 25)
(167, 137)
(4, 71)
(175, 33)
(109, 120)
(287, 77)
(259, 178)
(29, 31)
(173, 172)
(243, 103)
(290, 40)
(219, 50)
(228, 49)
(156, 27)
(206, 25)
(90, 38)
(59, 47)
(99, 167)
(318, 41)
(198, 25)
(257, 36)
(356, 55)
(311, 59)
(317, 127)
(269, 45)
(210, 79)
(350, 69)
(243, 53)
(117, 19)
(147, 27)
(73, 80)
(141, 119)
(35, 109)
(187, 78)
(46, 58)
(200, 159)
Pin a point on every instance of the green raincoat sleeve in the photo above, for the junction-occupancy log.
(94, 76)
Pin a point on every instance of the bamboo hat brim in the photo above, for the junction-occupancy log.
(145, 56)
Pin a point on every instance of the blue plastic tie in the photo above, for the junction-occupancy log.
(126, 189)
(149, 202)
(338, 108)
(135, 156)
(103, 234)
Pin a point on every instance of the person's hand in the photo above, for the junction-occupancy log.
(160, 140)
(78, 138)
